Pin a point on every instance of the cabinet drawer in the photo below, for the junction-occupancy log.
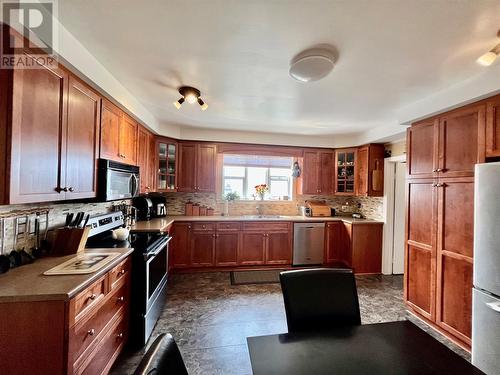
(119, 273)
(203, 226)
(99, 361)
(229, 226)
(83, 302)
(85, 332)
(264, 227)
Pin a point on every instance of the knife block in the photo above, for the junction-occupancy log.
(70, 241)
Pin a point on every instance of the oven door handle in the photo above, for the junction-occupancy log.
(160, 248)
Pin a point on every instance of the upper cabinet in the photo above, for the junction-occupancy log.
(422, 144)
(118, 134)
(345, 172)
(82, 140)
(436, 147)
(317, 173)
(493, 127)
(166, 151)
(145, 159)
(197, 165)
(370, 170)
(51, 138)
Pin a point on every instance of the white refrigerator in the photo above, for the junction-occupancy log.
(486, 279)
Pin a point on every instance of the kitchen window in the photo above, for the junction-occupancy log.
(241, 173)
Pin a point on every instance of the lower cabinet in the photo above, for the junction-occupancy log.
(357, 246)
(202, 248)
(82, 335)
(230, 244)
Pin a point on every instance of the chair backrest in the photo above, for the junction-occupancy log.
(319, 299)
(163, 357)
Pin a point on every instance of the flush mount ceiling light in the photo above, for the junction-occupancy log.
(489, 57)
(312, 64)
(190, 95)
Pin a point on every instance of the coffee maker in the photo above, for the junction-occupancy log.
(159, 205)
(144, 207)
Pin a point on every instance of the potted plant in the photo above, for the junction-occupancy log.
(229, 197)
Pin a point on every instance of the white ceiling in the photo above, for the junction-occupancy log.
(390, 55)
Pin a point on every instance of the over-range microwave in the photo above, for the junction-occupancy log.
(117, 180)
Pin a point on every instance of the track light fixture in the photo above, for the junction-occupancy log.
(190, 95)
(489, 57)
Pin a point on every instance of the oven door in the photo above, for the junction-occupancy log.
(156, 272)
(121, 184)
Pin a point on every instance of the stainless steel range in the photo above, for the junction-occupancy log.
(149, 272)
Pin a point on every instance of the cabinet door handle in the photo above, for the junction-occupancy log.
(121, 299)
(120, 335)
(121, 272)
(91, 332)
(93, 296)
(434, 170)
(71, 189)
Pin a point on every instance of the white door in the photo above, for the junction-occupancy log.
(398, 255)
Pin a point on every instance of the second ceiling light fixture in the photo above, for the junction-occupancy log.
(190, 95)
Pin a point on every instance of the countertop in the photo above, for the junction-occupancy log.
(27, 283)
(161, 224)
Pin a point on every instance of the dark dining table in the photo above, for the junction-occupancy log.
(383, 348)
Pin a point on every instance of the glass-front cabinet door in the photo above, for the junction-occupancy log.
(345, 163)
(167, 166)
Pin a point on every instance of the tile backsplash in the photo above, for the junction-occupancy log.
(57, 216)
(369, 207)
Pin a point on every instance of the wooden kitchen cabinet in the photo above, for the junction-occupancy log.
(82, 140)
(449, 145)
(455, 234)
(181, 245)
(420, 273)
(167, 168)
(345, 172)
(252, 252)
(278, 247)
(197, 163)
(422, 145)
(462, 141)
(202, 248)
(48, 135)
(493, 127)
(118, 134)
(317, 173)
(145, 159)
(336, 243)
(83, 334)
(439, 237)
(227, 245)
(370, 170)
(266, 243)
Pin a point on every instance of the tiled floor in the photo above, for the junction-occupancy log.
(211, 319)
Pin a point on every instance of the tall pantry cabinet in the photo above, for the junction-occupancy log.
(442, 152)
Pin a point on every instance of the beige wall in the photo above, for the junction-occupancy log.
(397, 148)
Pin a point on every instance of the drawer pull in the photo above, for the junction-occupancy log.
(91, 332)
(93, 296)
(122, 272)
(120, 335)
(121, 299)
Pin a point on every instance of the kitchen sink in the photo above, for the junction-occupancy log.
(263, 216)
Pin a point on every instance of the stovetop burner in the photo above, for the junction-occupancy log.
(139, 241)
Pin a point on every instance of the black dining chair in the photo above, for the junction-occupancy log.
(162, 357)
(320, 299)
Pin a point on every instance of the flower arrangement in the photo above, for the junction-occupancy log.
(261, 190)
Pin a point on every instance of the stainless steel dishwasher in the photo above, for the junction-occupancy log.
(308, 243)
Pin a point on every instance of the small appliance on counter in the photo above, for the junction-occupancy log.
(159, 205)
(318, 208)
(144, 206)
